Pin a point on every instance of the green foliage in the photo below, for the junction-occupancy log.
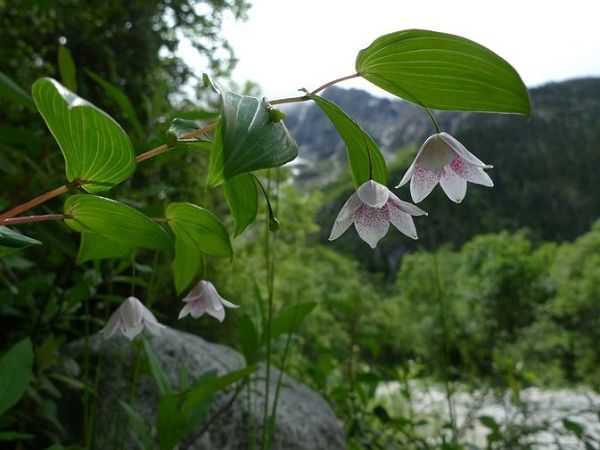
(16, 368)
(365, 159)
(115, 221)
(443, 71)
(247, 139)
(187, 264)
(96, 246)
(66, 68)
(97, 151)
(241, 194)
(12, 242)
(199, 228)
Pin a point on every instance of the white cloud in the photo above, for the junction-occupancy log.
(286, 45)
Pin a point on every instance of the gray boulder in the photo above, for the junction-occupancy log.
(304, 420)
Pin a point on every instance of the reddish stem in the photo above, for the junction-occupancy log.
(30, 219)
(38, 200)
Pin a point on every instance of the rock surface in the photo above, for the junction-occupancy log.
(304, 420)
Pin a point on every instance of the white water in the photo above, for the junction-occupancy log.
(544, 408)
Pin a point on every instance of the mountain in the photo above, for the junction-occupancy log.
(393, 124)
(545, 167)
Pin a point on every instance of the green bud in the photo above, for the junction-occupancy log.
(274, 224)
(276, 115)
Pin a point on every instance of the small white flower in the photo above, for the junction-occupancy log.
(204, 298)
(442, 159)
(371, 208)
(131, 318)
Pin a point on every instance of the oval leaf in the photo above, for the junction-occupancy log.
(443, 71)
(95, 246)
(15, 373)
(200, 228)
(115, 221)
(96, 149)
(361, 148)
(188, 263)
(247, 139)
(241, 194)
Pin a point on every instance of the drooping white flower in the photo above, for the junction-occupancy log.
(442, 159)
(131, 318)
(204, 298)
(371, 209)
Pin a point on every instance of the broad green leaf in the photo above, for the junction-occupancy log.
(115, 221)
(247, 139)
(290, 318)
(121, 100)
(362, 150)
(15, 373)
(159, 375)
(66, 68)
(15, 93)
(188, 263)
(96, 149)
(95, 246)
(200, 228)
(139, 426)
(241, 194)
(443, 71)
(12, 239)
(211, 386)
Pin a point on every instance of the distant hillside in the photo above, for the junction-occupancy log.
(545, 168)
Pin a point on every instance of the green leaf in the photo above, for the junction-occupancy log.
(15, 93)
(14, 436)
(96, 149)
(360, 146)
(121, 100)
(115, 221)
(187, 264)
(12, 239)
(573, 427)
(66, 68)
(200, 228)
(159, 375)
(15, 373)
(182, 127)
(241, 194)
(248, 338)
(138, 425)
(290, 318)
(95, 246)
(211, 386)
(489, 422)
(247, 139)
(443, 71)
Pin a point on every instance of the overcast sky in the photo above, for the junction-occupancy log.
(286, 45)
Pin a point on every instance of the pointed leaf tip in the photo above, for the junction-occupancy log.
(443, 71)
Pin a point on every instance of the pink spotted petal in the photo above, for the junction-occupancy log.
(218, 312)
(462, 151)
(422, 183)
(434, 154)
(373, 194)
(185, 310)
(132, 332)
(402, 221)
(198, 309)
(469, 172)
(111, 327)
(409, 208)
(371, 224)
(344, 218)
(454, 186)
